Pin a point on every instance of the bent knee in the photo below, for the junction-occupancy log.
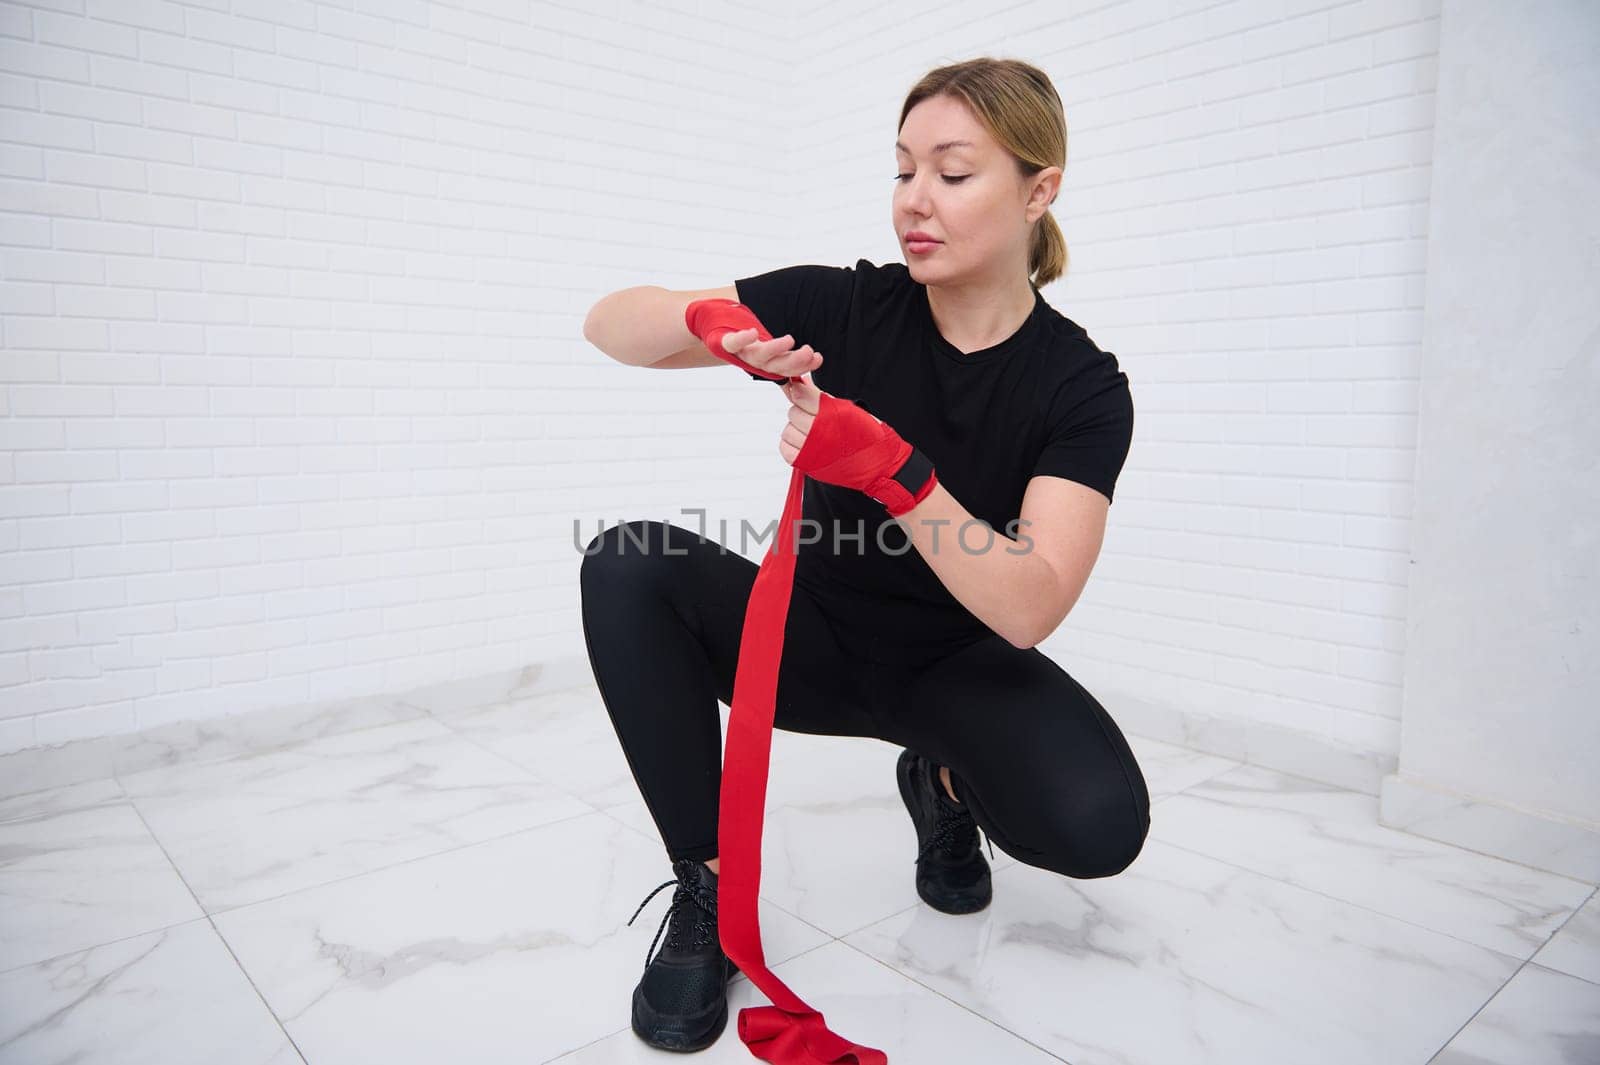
(1089, 848)
(620, 550)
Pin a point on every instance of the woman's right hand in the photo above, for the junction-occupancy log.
(775, 356)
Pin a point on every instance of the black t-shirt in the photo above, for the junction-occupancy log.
(1045, 400)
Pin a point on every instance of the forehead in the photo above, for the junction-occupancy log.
(955, 144)
(941, 125)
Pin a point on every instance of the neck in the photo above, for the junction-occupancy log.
(974, 317)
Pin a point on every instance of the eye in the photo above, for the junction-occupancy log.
(952, 179)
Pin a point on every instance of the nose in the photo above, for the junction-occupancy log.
(914, 197)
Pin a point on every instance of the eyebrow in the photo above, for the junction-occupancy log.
(937, 148)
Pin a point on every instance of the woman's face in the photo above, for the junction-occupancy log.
(969, 197)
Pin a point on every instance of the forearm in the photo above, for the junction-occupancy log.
(639, 326)
(1004, 584)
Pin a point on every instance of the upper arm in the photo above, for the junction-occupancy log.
(1065, 505)
(1089, 429)
(1066, 522)
(695, 354)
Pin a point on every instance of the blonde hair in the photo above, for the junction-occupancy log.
(1019, 106)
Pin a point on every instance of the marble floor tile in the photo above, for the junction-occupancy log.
(173, 997)
(1575, 948)
(78, 867)
(244, 829)
(1541, 1017)
(255, 731)
(1328, 840)
(511, 951)
(64, 799)
(565, 738)
(1184, 960)
(862, 1001)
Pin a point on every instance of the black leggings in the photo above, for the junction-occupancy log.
(1044, 770)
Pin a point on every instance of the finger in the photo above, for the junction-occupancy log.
(801, 360)
(737, 340)
(766, 348)
(781, 360)
(803, 398)
(803, 394)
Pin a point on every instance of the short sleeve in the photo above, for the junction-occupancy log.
(1090, 429)
(810, 303)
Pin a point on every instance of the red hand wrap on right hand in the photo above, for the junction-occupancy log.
(712, 319)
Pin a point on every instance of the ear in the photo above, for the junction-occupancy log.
(1047, 185)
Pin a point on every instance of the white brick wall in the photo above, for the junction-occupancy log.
(295, 398)
(296, 402)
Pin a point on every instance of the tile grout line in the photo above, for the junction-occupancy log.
(1375, 822)
(296, 891)
(935, 991)
(133, 804)
(1507, 983)
(212, 924)
(1440, 842)
(958, 1004)
(1358, 905)
(1362, 906)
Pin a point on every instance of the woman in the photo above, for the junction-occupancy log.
(917, 629)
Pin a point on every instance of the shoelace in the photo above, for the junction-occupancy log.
(690, 892)
(957, 829)
(950, 830)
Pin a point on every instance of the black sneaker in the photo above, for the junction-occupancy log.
(681, 1002)
(952, 875)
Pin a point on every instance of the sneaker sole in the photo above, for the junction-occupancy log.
(955, 903)
(702, 1030)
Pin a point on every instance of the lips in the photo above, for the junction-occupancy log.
(919, 237)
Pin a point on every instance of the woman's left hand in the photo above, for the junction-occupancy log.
(804, 398)
(853, 448)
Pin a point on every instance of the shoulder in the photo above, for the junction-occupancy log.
(826, 283)
(882, 281)
(865, 277)
(1078, 374)
(887, 273)
(1070, 352)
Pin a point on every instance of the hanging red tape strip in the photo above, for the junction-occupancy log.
(788, 1032)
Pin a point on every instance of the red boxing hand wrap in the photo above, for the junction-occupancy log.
(853, 448)
(712, 319)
